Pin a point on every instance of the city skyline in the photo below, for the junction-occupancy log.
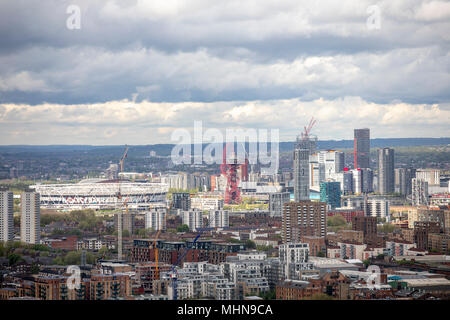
(224, 155)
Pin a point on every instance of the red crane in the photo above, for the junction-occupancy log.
(307, 130)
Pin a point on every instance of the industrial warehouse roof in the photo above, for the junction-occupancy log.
(427, 282)
(329, 263)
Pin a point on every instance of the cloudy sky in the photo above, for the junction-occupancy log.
(136, 70)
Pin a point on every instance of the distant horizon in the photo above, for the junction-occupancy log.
(205, 143)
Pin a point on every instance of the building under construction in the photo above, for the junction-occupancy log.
(305, 146)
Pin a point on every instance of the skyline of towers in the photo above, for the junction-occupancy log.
(386, 173)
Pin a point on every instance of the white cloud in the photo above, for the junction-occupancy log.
(254, 63)
(23, 81)
(147, 122)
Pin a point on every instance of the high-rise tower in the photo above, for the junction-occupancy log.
(362, 148)
(30, 220)
(304, 147)
(386, 173)
(6, 216)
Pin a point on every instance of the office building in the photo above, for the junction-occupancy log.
(368, 226)
(294, 258)
(301, 174)
(345, 179)
(386, 175)
(330, 192)
(362, 148)
(156, 219)
(403, 180)
(366, 180)
(419, 192)
(323, 166)
(432, 176)
(193, 219)
(421, 231)
(303, 218)
(316, 172)
(218, 219)
(181, 200)
(6, 216)
(378, 208)
(30, 219)
(276, 202)
(356, 181)
(333, 161)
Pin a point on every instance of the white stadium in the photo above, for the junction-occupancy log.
(97, 194)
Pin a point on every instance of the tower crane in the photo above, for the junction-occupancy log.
(122, 204)
(174, 273)
(154, 245)
(307, 130)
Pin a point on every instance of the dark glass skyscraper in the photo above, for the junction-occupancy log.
(362, 148)
(301, 174)
(386, 173)
(330, 192)
(403, 180)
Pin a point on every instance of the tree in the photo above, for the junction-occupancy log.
(336, 221)
(268, 295)
(58, 261)
(17, 221)
(249, 244)
(319, 296)
(40, 247)
(387, 228)
(35, 268)
(72, 258)
(14, 258)
(183, 228)
(321, 254)
(366, 263)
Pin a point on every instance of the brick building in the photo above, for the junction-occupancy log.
(296, 290)
(421, 231)
(170, 252)
(316, 245)
(439, 242)
(304, 218)
(348, 214)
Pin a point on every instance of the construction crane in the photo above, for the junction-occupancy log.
(304, 141)
(174, 274)
(156, 239)
(122, 205)
(307, 130)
